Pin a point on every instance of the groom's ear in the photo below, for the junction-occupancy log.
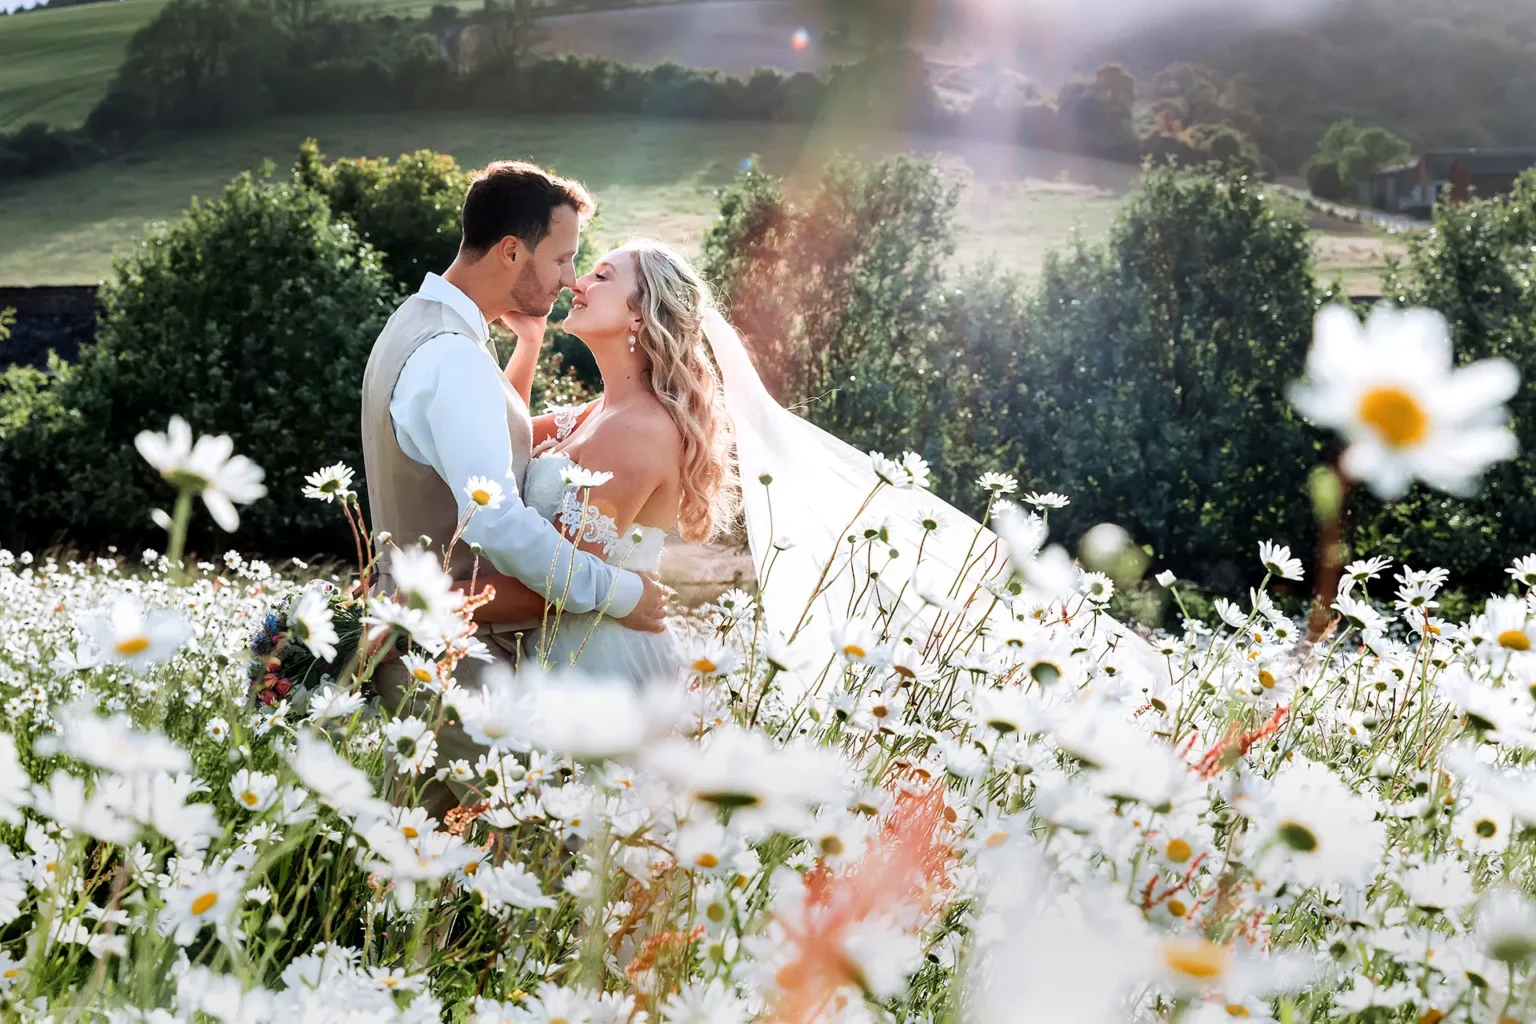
(510, 251)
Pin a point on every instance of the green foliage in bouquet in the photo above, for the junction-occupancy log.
(253, 316)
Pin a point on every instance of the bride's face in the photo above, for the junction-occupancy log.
(601, 301)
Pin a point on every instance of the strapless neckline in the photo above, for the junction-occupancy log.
(546, 492)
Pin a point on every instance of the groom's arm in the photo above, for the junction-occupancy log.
(449, 413)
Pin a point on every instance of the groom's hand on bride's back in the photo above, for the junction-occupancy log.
(650, 615)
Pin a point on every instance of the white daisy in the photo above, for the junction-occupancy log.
(1276, 559)
(329, 483)
(413, 744)
(310, 621)
(253, 791)
(207, 467)
(484, 492)
(576, 476)
(998, 483)
(127, 635)
(1390, 389)
(1048, 499)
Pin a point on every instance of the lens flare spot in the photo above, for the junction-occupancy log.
(801, 40)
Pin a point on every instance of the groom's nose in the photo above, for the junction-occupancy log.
(568, 277)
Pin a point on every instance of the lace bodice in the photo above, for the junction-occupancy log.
(546, 493)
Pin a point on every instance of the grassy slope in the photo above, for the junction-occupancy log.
(54, 65)
(656, 177)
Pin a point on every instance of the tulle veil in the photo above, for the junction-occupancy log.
(806, 493)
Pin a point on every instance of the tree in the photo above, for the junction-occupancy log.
(252, 316)
(200, 61)
(1148, 374)
(1097, 115)
(506, 33)
(838, 293)
(407, 209)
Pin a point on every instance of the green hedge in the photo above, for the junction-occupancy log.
(253, 316)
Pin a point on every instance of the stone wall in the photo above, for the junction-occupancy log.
(57, 317)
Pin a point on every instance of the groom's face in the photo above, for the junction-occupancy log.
(549, 268)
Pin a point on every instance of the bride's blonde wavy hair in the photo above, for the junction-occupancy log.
(671, 299)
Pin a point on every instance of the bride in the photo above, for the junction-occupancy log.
(658, 440)
(673, 444)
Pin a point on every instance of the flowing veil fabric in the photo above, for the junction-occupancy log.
(819, 494)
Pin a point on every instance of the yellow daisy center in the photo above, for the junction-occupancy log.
(422, 675)
(481, 496)
(1515, 640)
(1394, 414)
(249, 798)
(205, 902)
(1177, 908)
(1195, 958)
(704, 666)
(1266, 679)
(854, 651)
(409, 832)
(706, 860)
(14, 972)
(1178, 850)
(133, 645)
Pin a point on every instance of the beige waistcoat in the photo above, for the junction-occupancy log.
(405, 497)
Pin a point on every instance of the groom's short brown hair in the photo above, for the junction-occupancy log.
(510, 197)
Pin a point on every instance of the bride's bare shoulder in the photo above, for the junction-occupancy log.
(643, 430)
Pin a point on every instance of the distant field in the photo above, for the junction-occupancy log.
(655, 176)
(55, 64)
(1355, 252)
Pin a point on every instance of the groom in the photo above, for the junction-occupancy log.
(437, 410)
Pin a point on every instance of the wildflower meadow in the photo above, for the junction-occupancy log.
(1009, 808)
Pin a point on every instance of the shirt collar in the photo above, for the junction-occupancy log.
(438, 289)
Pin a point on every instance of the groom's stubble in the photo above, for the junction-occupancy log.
(530, 296)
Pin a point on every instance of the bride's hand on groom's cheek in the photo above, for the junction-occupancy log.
(529, 330)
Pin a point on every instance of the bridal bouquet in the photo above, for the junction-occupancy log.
(306, 644)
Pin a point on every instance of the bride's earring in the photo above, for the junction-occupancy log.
(632, 340)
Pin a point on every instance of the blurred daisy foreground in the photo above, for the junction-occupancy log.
(207, 817)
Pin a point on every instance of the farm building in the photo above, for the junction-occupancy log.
(1454, 174)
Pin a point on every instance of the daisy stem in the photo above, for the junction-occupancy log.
(179, 521)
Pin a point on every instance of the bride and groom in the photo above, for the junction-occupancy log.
(675, 434)
(438, 412)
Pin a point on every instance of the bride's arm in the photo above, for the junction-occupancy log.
(560, 423)
(529, 331)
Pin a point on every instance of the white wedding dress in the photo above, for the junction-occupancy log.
(595, 644)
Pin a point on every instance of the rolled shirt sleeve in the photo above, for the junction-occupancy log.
(450, 414)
